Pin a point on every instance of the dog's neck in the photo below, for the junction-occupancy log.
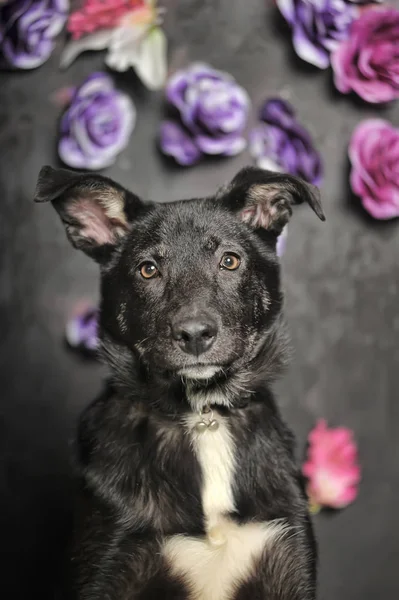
(173, 395)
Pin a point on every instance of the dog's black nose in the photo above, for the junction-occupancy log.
(196, 335)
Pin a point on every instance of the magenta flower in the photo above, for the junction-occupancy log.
(368, 61)
(81, 331)
(282, 144)
(332, 468)
(28, 29)
(318, 26)
(97, 125)
(213, 111)
(374, 154)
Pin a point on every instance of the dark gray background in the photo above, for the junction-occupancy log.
(341, 281)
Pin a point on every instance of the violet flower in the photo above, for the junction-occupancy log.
(213, 111)
(374, 154)
(368, 61)
(280, 143)
(318, 26)
(281, 242)
(97, 124)
(81, 331)
(177, 142)
(28, 29)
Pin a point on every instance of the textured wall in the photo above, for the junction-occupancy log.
(341, 281)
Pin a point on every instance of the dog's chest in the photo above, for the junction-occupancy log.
(215, 452)
(213, 565)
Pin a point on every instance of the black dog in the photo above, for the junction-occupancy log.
(189, 484)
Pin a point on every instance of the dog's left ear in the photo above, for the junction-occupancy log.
(264, 199)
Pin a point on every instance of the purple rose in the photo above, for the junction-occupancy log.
(213, 111)
(97, 125)
(318, 26)
(374, 154)
(28, 29)
(81, 332)
(368, 61)
(282, 144)
(177, 142)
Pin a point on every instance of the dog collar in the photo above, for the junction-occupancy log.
(206, 422)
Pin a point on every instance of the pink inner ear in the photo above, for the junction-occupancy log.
(94, 222)
(256, 215)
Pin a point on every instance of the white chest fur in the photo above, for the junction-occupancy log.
(213, 565)
(215, 454)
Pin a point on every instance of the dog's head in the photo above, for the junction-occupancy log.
(189, 288)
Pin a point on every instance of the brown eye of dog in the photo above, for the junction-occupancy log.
(148, 270)
(231, 262)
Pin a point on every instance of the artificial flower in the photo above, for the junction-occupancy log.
(62, 96)
(99, 14)
(281, 242)
(374, 155)
(177, 142)
(97, 124)
(28, 29)
(332, 468)
(213, 111)
(318, 26)
(368, 61)
(81, 331)
(130, 34)
(280, 143)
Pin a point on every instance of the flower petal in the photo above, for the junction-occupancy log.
(309, 51)
(95, 41)
(331, 468)
(175, 141)
(228, 145)
(151, 61)
(287, 9)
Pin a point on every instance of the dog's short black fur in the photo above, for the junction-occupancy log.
(190, 317)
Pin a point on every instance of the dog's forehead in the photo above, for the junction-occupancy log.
(190, 224)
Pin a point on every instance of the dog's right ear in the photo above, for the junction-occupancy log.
(96, 211)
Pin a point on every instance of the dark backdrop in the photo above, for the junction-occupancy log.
(341, 282)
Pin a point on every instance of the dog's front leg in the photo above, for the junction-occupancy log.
(107, 561)
(286, 570)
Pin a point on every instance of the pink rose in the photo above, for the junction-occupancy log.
(374, 154)
(331, 469)
(368, 61)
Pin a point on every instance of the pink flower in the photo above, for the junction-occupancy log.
(100, 14)
(332, 469)
(374, 154)
(368, 61)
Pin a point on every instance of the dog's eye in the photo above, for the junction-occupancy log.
(231, 262)
(148, 270)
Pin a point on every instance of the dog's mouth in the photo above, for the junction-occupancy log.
(200, 371)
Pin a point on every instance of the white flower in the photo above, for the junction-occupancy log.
(136, 42)
(142, 47)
